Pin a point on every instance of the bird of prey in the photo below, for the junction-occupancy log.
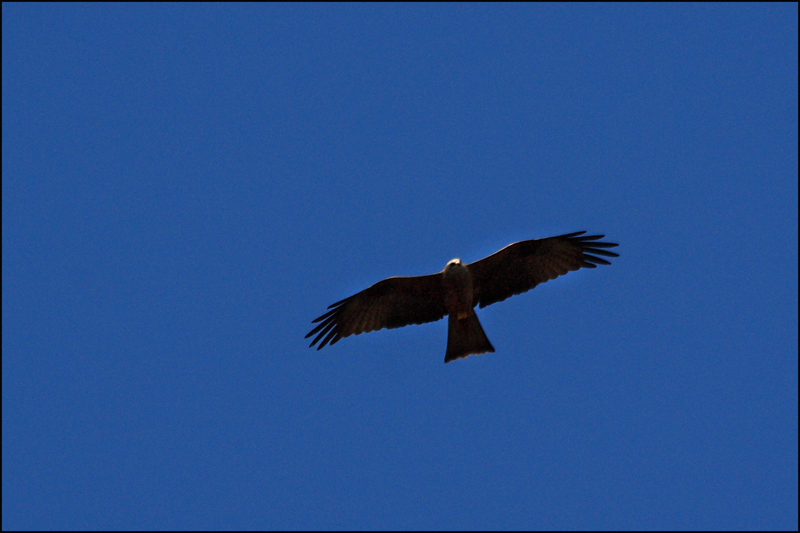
(399, 301)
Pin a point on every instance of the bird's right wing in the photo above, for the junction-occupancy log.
(391, 303)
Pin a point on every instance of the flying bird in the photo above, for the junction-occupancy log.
(454, 292)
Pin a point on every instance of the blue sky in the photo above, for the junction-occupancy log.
(185, 187)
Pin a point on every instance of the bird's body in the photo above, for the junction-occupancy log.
(400, 301)
(457, 284)
(465, 336)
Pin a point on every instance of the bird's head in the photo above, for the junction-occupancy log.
(453, 263)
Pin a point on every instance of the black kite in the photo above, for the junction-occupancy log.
(400, 301)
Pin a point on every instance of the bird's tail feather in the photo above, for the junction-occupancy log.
(465, 336)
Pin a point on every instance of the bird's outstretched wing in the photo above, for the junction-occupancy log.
(521, 266)
(391, 303)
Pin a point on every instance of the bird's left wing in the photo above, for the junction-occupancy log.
(391, 303)
(521, 266)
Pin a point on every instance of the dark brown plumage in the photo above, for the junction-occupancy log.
(400, 301)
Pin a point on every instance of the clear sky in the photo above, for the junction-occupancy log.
(185, 187)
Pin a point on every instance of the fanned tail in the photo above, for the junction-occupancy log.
(465, 337)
